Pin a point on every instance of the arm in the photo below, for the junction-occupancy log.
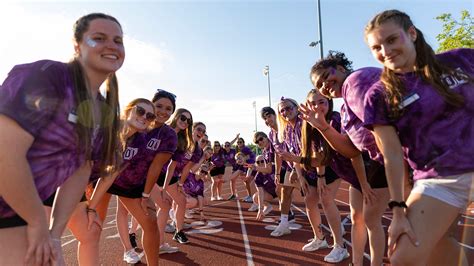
(155, 170)
(18, 189)
(184, 174)
(235, 139)
(169, 174)
(389, 144)
(261, 196)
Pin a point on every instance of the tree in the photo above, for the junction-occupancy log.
(456, 34)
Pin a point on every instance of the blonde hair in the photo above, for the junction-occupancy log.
(282, 123)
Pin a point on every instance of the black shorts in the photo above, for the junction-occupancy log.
(217, 171)
(376, 174)
(131, 193)
(330, 175)
(161, 180)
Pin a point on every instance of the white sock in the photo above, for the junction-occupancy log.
(284, 218)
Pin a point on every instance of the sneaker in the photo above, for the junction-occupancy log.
(281, 229)
(187, 226)
(247, 199)
(232, 197)
(315, 244)
(220, 198)
(166, 248)
(188, 215)
(180, 237)
(291, 217)
(170, 228)
(253, 208)
(213, 198)
(133, 240)
(267, 209)
(337, 254)
(172, 215)
(131, 257)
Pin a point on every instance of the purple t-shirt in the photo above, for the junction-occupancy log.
(39, 97)
(250, 155)
(292, 138)
(158, 140)
(341, 165)
(273, 137)
(183, 158)
(354, 90)
(267, 182)
(437, 139)
(230, 156)
(218, 159)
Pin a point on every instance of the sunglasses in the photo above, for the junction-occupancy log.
(227, 145)
(163, 92)
(258, 140)
(200, 130)
(203, 141)
(286, 109)
(185, 119)
(140, 111)
(261, 161)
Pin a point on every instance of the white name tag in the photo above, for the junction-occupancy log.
(72, 118)
(409, 100)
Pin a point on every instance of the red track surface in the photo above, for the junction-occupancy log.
(222, 241)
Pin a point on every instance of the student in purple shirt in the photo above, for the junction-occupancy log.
(50, 113)
(283, 191)
(422, 109)
(86, 221)
(240, 170)
(318, 186)
(265, 177)
(217, 171)
(181, 122)
(334, 78)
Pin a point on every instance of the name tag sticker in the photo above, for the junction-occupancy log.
(72, 117)
(409, 100)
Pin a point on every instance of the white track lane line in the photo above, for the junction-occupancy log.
(248, 250)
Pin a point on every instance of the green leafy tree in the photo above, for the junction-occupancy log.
(456, 34)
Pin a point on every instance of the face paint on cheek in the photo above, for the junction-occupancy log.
(91, 43)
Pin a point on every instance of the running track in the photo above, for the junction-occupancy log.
(231, 236)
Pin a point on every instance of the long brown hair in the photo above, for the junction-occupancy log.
(309, 134)
(110, 110)
(427, 66)
(185, 137)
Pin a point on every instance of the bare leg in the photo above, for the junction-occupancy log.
(332, 212)
(358, 229)
(373, 220)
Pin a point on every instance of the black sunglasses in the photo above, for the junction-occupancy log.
(258, 140)
(199, 129)
(140, 111)
(260, 161)
(185, 119)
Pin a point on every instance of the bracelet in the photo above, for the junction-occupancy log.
(401, 204)
(180, 184)
(90, 209)
(326, 129)
(145, 195)
(321, 176)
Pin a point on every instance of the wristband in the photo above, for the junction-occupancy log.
(401, 204)
(326, 129)
(180, 184)
(145, 195)
(321, 176)
(90, 209)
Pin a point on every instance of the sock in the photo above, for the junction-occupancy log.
(284, 218)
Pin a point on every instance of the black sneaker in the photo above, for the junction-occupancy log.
(181, 237)
(232, 197)
(133, 240)
(291, 217)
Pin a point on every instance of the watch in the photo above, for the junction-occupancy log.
(392, 204)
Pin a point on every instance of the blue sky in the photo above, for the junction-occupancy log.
(211, 53)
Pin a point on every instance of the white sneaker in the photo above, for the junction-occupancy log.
(172, 215)
(337, 254)
(253, 208)
(170, 228)
(315, 244)
(131, 257)
(213, 198)
(267, 209)
(220, 198)
(187, 226)
(281, 229)
(188, 215)
(166, 248)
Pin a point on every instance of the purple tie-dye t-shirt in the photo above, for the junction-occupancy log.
(250, 155)
(158, 140)
(39, 97)
(437, 139)
(354, 90)
(182, 158)
(230, 156)
(194, 187)
(293, 138)
(218, 159)
(273, 137)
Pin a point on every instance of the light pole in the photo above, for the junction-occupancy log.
(266, 72)
(255, 109)
(320, 42)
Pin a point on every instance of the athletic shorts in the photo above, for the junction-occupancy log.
(217, 171)
(376, 174)
(331, 176)
(453, 190)
(131, 193)
(161, 180)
